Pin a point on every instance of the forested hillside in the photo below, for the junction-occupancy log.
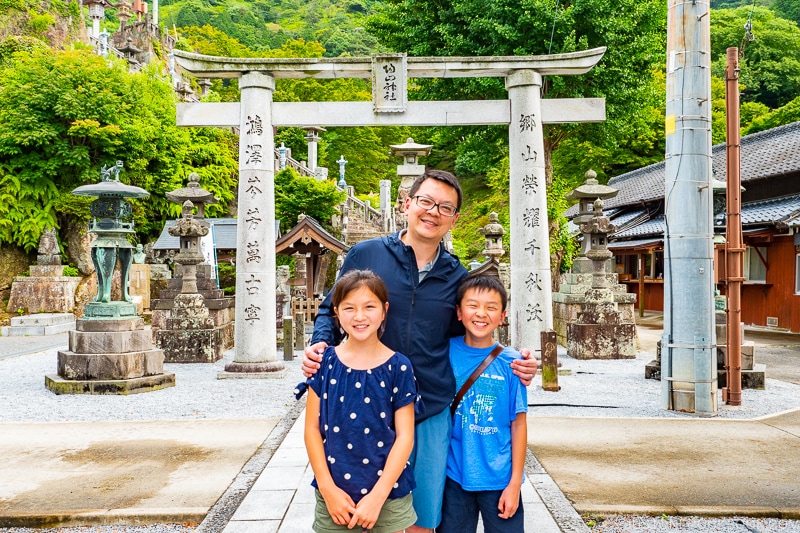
(65, 112)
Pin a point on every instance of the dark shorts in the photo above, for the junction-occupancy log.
(396, 515)
(461, 507)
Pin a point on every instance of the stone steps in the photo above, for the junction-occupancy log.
(39, 324)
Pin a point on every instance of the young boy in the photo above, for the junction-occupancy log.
(488, 445)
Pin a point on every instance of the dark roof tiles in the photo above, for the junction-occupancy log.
(765, 154)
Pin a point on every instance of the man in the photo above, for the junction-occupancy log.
(422, 278)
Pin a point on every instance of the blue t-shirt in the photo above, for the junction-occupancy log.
(480, 448)
(357, 420)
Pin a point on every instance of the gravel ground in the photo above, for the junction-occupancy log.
(588, 388)
(626, 524)
(197, 394)
(617, 388)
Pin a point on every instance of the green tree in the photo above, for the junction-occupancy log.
(628, 77)
(788, 9)
(296, 195)
(770, 66)
(632, 30)
(783, 115)
(366, 151)
(65, 114)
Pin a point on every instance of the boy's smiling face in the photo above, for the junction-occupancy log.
(481, 311)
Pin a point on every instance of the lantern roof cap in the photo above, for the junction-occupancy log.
(192, 192)
(591, 188)
(410, 147)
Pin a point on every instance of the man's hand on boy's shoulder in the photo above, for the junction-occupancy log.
(524, 368)
(312, 357)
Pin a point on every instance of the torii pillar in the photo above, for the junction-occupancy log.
(524, 111)
(532, 302)
(255, 235)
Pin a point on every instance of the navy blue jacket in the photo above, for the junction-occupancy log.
(421, 317)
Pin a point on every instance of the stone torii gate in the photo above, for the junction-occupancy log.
(255, 115)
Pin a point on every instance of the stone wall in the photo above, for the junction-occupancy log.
(13, 262)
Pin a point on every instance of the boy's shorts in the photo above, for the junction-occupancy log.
(429, 459)
(396, 515)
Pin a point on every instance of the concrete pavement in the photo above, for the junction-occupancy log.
(243, 476)
(706, 467)
(75, 473)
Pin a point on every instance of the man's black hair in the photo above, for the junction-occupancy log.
(439, 175)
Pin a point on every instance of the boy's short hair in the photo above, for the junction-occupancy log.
(482, 282)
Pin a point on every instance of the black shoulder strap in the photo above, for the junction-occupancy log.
(474, 376)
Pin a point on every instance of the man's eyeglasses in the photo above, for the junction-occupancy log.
(446, 210)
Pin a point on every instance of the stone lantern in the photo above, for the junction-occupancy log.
(493, 232)
(110, 352)
(189, 231)
(342, 162)
(410, 170)
(312, 138)
(282, 156)
(193, 193)
(97, 12)
(601, 330)
(192, 318)
(592, 271)
(586, 194)
(123, 12)
(112, 224)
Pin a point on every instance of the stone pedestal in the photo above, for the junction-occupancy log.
(160, 271)
(600, 331)
(568, 302)
(185, 335)
(753, 374)
(40, 324)
(652, 370)
(190, 335)
(109, 356)
(46, 290)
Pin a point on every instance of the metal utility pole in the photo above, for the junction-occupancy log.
(688, 363)
(734, 247)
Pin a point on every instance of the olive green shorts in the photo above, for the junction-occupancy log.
(396, 515)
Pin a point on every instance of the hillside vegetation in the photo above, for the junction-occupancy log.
(55, 134)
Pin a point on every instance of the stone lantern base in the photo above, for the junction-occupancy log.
(601, 331)
(110, 356)
(601, 341)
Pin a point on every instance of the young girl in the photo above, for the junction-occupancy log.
(359, 428)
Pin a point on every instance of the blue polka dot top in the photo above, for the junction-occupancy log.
(357, 419)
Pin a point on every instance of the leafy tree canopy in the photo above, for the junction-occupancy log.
(632, 30)
(628, 77)
(770, 66)
(266, 25)
(65, 114)
(296, 195)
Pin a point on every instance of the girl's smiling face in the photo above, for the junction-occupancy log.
(361, 313)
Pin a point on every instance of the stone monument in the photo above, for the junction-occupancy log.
(47, 294)
(569, 301)
(408, 172)
(601, 331)
(139, 283)
(192, 319)
(110, 352)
